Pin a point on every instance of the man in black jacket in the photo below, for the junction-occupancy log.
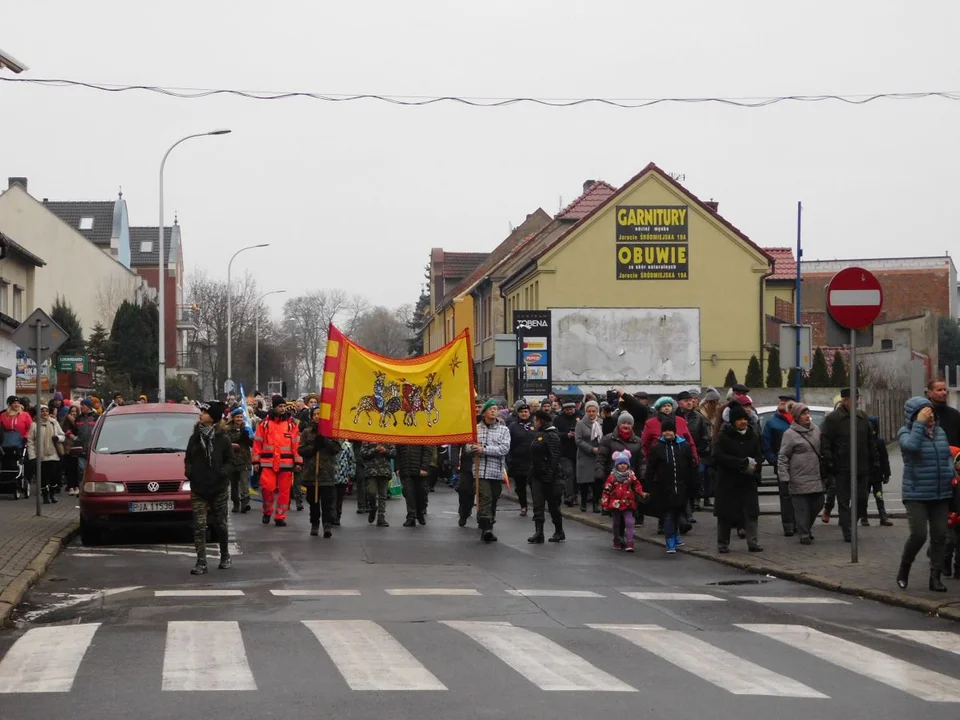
(546, 478)
(413, 465)
(947, 417)
(518, 461)
(701, 434)
(208, 465)
(566, 425)
(835, 446)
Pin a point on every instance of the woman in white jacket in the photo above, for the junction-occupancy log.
(52, 437)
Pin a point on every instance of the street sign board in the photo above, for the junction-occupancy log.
(854, 298)
(72, 363)
(52, 336)
(838, 336)
(788, 346)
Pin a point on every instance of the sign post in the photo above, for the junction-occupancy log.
(39, 337)
(854, 301)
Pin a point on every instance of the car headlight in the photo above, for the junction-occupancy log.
(186, 486)
(103, 487)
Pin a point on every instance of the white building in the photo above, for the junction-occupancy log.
(17, 273)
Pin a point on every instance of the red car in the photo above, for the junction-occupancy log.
(134, 475)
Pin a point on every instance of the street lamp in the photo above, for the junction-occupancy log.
(230, 307)
(256, 331)
(161, 273)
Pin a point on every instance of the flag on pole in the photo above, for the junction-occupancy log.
(427, 400)
(247, 421)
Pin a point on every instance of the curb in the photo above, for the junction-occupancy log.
(945, 610)
(14, 592)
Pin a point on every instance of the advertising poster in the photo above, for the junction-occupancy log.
(652, 242)
(532, 328)
(27, 375)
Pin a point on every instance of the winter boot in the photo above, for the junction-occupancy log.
(46, 496)
(618, 543)
(280, 522)
(488, 536)
(315, 529)
(299, 505)
(903, 575)
(236, 506)
(245, 509)
(200, 568)
(629, 547)
(537, 537)
(864, 522)
(882, 511)
(409, 522)
(225, 562)
(935, 583)
(382, 521)
(421, 518)
(265, 519)
(671, 545)
(327, 533)
(558, 536)
(596, 506)
(372, 514)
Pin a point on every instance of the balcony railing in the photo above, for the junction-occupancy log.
(188, 317)
(189, 360)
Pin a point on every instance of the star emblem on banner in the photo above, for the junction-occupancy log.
(454, 364)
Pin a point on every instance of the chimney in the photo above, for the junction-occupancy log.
(21, 181)
(712, 204)
(588, 184)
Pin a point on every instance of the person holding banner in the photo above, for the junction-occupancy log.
(488, 456)
(319, 475)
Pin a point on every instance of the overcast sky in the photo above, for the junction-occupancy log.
(354, 195)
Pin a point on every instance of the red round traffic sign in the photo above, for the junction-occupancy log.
(854, 298)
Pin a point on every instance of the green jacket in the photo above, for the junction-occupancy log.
(375, 464)
(319, 455)
(241, 438)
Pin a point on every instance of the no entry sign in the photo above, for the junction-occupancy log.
(854, 298)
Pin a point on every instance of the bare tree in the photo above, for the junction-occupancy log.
(385, 331)
(111, 292)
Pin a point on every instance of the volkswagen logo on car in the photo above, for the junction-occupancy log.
(153, 486)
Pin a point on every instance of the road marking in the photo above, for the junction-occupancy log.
(202, 656)
(46, 660)
(673, 596)
(89, 555)
(913, 679)
(432, 591)
(315, 593)
(540, 660)
(197, 593)
(555, 593)
(947, 641)
(725, 670)
(784, 600)
(76, 600)
(369, 658)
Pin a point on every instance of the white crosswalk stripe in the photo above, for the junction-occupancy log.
(555, 593)
(784, 600)
(416, 592)
(315, 593)
(196, 593)
(673, 597)
(46, 660)
(206, 656)
(947, 641)
(369, 658)
(900, 674)
(724, 669)
(540, 660)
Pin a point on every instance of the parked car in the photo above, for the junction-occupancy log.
(134, 475)
(817, 413)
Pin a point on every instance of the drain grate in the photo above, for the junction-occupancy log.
(739, 582)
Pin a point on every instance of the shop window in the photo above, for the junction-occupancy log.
(886, 344)
(18, 303)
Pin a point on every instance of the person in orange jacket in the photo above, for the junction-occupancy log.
(276, 454)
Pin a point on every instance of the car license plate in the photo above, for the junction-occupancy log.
(157, 506)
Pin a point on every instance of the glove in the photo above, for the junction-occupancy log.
(886, 479)
(751, 464)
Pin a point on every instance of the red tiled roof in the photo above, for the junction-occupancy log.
(784, 264)
(457, 265)
(596, 195)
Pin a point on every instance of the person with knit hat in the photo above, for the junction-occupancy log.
(488, 457)
(738, 457)
(702, 434)
(208, 465)
(566, 424)
(664, 407)
(799, 467)
(588, 434)
(276, 453)
(622, 438)
(518, 461)
(240, 437)
(770, 439)
(546, 479)
(671, 479)
(621, 492)
(709, 407)
(319, 475)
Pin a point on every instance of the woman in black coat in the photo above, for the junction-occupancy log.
(623, 438)
(737, 459)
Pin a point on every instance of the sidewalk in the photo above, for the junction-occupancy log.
(28, 544)
(825, 564)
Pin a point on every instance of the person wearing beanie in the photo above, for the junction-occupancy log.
(588, 434)
(799, 468)
(242, 441)
(671, 479)
(665, 407)
(518, 461)
(622, 438)
(702, 434)
(770, 439)
(546, 478)
(488, 455)
(276, 455)
(208, 465)
(622, 491)
(15, 420)
(737, 457)
(319, 475)
(566, 424)
(835, 446)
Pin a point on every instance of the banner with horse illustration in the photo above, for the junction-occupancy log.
(427, 400)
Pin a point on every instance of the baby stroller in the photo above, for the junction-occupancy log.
(13, 476)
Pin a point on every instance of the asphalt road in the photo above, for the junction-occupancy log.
(429, 622)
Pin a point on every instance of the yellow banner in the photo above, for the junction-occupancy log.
(427, 400)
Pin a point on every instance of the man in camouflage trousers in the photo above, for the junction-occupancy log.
(242, 441)
(208, 465)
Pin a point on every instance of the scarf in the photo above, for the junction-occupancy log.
(596, 433)
(206, 441)
(621, 476)
(625, 434)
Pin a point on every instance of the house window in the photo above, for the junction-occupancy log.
(886, 344)
(86, 223)
(18, 303)
(4, 297)
(146, 246)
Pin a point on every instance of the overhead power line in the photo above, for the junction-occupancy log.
(421, 100)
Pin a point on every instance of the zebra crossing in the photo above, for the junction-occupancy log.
(213, 656)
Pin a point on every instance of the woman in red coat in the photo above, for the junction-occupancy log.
(651, 430)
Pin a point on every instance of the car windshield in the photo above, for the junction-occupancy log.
(145, 433)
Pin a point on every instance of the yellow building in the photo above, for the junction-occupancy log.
(651, 246)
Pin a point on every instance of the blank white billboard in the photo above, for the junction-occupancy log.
(625, 346)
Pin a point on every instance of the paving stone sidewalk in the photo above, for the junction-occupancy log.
(28, 544)
(824, 564)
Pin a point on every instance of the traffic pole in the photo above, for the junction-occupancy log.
(39, 438)
(798, 375)
(854, 519)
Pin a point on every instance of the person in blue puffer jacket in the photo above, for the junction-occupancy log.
(927, 487)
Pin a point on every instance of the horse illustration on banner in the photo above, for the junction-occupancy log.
(390, 398)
